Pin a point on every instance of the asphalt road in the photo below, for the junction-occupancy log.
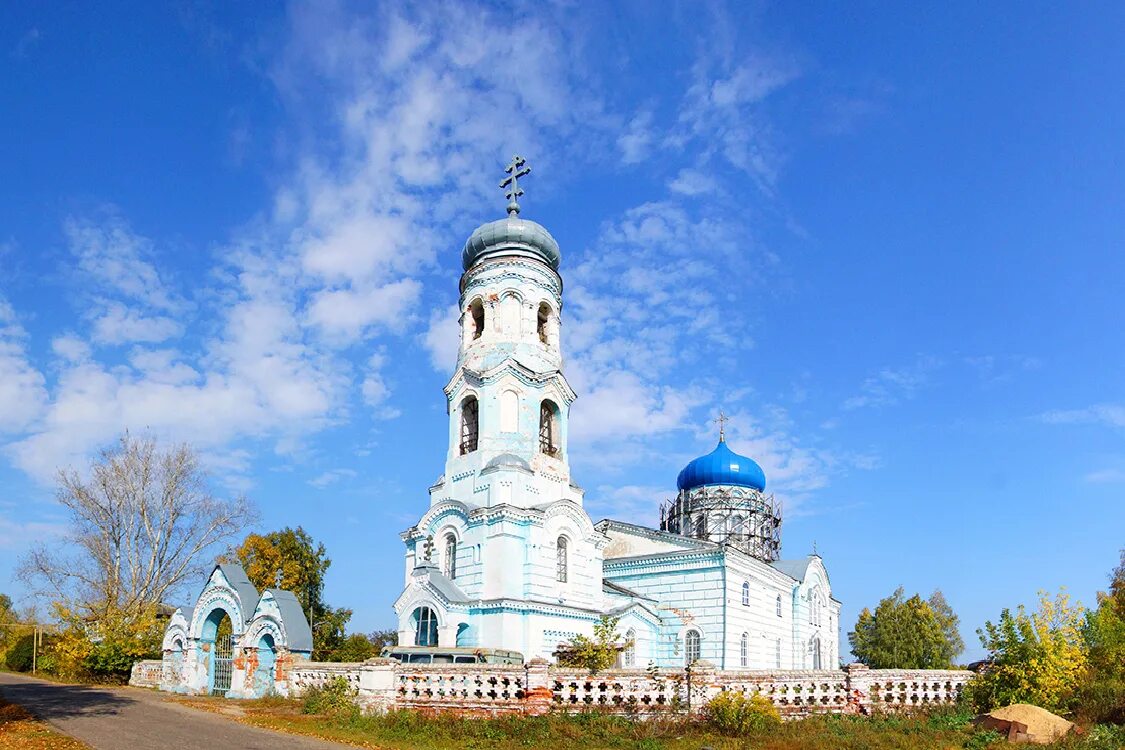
(135, 719)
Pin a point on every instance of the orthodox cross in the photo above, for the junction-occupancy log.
(517, 169)
(722, 420)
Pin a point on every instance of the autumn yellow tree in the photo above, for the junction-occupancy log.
(292, 560)
(1035, 657)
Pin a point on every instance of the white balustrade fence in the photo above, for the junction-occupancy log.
(537, 687)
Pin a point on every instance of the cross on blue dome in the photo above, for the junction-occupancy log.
(722, 466)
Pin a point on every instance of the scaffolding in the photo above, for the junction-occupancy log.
(747, 520)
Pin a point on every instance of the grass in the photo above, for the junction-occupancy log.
(404, 730)
(19, 730)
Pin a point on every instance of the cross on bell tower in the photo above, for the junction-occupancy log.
(517, 169)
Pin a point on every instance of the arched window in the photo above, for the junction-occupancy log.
(476, 312)
(425, 627)
(701, 526)
(560, 560)
(744, 651)
(450, 557)
(629, 656)
(745, 594)
(509, 411)
(542, 320)
(815, 649)
(779, 605)
(470, 416)
(692, 644)
(549, 428)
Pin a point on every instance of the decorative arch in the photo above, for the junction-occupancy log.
(261, 628)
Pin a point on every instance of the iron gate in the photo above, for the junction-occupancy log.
(221, 661)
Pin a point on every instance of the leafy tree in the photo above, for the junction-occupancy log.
(291, 560)
(104, 649)
(597, 653)
(907, 633)
(288, 559)
(381, 639)
(1035, 657)
(141, 523)
(360, 646)
(1102, 695)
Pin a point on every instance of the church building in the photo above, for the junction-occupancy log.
(506, 556)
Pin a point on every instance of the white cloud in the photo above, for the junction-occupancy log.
(1105, 476)
(118, 261)
(23, 390)
(349, 312)
(331, 477)
(442, 338)
(120, 325)
(637, 140)
(1111, 415)
(892, 385)
(692, 182)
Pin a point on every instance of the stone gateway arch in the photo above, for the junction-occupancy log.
(234, 641)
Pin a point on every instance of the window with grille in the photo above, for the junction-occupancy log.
(470, 417)
(629, 657)
(744, 650)
(548, 428)
(745, 594)
(777, 649)
(560, 560)
(779, 605)
(450, 556)
(692, 644)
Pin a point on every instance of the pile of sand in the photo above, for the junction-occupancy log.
(1042, 725)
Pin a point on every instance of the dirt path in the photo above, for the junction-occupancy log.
(135, 719)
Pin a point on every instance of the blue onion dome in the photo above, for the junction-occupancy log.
(724, 467)
(511, 236)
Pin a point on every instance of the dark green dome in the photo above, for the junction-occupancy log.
(511, 236)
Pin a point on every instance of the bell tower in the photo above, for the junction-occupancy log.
(508, 401)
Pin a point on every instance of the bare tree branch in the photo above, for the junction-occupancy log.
(142, 524)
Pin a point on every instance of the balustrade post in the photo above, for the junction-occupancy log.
(858, 680)
(537, 693)
(703, 685)
(378, 685)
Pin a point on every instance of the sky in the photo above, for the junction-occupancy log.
(886, 239)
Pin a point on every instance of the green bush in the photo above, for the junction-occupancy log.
(1102, 701)
(335, 698)
(20, 655)
(733, 713)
